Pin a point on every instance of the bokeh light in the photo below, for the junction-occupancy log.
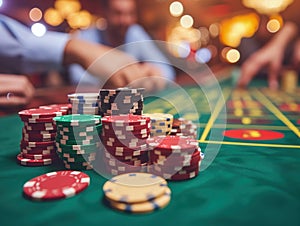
(273, 25)
(66, 7)
(176, 8)
(35, 14)
(186, 21)
(82, 19)
(38, 29)
(233, 56)
(214, 30)
(266, 6)
(203, 55)
(53, 17)
(1, 3)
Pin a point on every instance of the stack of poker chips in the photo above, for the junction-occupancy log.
(124, 138)
(137, 192)
(84, 103)
(174, 157)
(38, 136)
(161, 124)
(77, 140)
(183, 127)
(121, 101)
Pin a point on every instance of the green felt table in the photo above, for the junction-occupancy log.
(243, 181)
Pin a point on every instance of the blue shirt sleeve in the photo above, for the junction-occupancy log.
(23, 52)
(140, 45)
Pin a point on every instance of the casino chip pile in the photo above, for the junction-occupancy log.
(84, 103)
(77, 140)
(161, 124)
(125, 140)
(174, 157)
(121, 101)
(56, 185)
(183, 127)
(137, 192)
(38, 135)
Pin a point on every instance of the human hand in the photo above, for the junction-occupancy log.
(15, 90)
(138, 76)
(271, 57)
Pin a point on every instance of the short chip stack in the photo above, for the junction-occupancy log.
(161, 124)
(121, 101)
(84, 103)
(77, 140)
(174, 157)
(38, 136)
(125, 140)
(137, 192)
(183, 127)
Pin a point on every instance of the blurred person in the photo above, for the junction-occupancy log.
(21, 52)
(267, 54)
(123, 31)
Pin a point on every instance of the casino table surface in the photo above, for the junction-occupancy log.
(250, 175)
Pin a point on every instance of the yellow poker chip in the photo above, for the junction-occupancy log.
(134, 187)
(143, 207)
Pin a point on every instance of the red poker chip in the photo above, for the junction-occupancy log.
(132, 144)
(37, 120)
(143, 157)
(38, 151)
(34, 132)
(126, 168)
(173, 161)
(126, 135)
(39, 126)
(185, 176)
(115, 162)
(172, 143)
(31, 162)
(37, 156)
(37, 136)
(33, 144)
(174, 169)
(56, 185)
(124, 120)
(37, 113)
(127, 128)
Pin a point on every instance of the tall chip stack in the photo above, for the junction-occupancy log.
(38, 135)
(84, 103)
(121, 101)
(289, 80)
(77, 140)
(161, 124)
(174, 157)
(124, 138)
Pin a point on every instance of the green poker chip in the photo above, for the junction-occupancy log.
(77, 120)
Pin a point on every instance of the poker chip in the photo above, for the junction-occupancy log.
(143, 207)
(78, 140)
(183, 127)
(32, 162)
(56, 185)
(121, 101)
(77, 120)
(84, 103)
(134, 187)
(161, 124)
(37, 146)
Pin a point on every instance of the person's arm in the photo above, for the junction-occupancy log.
(140, 45)
(270, 56)
(15, 90)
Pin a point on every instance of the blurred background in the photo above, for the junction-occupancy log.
(210, 31)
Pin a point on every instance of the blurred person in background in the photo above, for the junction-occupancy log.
(122, 29)
(21, 52)
(267, 53)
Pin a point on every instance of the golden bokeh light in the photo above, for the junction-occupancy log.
(268, 7)
(234, 29)
(82, 19)
(186, 21)
(176, 8)
(214, 29)
(67, 7)
(35, 14)
(233, 56)
(53, 17)
(273, 25)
